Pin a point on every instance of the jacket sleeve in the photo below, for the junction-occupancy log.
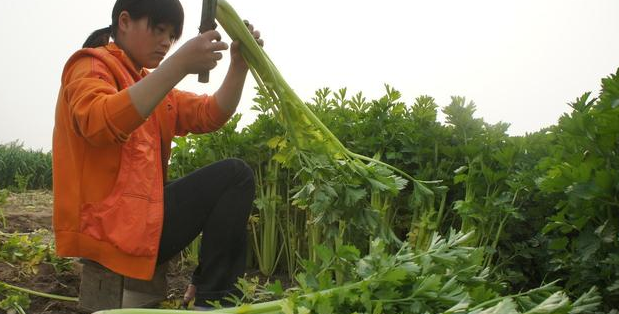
(197, 113)
(98, 111)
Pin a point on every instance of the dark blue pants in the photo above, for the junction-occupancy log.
(216, 201)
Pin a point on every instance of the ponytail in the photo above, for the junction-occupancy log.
(157, 11)
(98, 38)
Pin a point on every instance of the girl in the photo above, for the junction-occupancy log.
(111, 144)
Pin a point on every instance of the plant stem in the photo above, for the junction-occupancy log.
(40, 294)
(498, 299)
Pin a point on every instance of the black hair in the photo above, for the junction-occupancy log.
(157, 11)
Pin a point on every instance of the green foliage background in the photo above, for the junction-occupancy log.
(22, 169)
(544, 206)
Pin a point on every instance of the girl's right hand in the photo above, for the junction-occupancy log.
(201, 53)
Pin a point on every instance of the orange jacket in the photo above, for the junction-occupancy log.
(109, 163)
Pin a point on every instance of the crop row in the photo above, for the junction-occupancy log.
(541, 206)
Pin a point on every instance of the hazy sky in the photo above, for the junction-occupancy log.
(521, 61)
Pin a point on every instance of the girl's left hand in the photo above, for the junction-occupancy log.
(236, 58)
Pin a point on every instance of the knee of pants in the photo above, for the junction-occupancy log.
(242, 172)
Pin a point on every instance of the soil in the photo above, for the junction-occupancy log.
(27, 212)
(31, 211)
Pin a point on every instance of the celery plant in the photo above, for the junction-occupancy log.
(291, 231)
(268, 203)
(426, 217)
(446, 278)
(305, 130)
(191, 252)
(335, 178)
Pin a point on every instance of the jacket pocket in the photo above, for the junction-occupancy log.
(126, 224)
(130, 218)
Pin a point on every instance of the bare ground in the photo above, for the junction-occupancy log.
(32, 211)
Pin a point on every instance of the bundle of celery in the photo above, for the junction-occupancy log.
(444, 279)
(337, 183)
(304, 129)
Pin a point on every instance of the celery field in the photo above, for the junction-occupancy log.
(492, 222)
(537, 209)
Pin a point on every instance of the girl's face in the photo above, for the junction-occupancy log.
(146, 46)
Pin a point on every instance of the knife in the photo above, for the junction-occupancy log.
(207, 23)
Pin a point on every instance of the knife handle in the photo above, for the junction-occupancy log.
(203, 77)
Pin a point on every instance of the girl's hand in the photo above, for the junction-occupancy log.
(236, 59)
(201, 53)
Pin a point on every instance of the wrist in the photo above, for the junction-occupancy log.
(176, 64)
(172, 70)
(239, 66)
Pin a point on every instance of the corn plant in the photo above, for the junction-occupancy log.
(22, 169)
(4, 194)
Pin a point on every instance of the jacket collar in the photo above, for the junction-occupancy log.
(124, 58)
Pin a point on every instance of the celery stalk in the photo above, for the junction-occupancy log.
(291, 111)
